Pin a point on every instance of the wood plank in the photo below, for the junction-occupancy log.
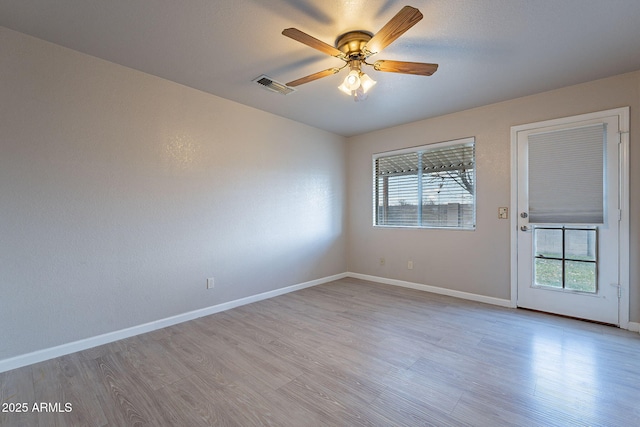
(16, 387)
(346, 353)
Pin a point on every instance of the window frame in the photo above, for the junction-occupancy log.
(420, 149)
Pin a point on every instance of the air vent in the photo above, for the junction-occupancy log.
(273, 86)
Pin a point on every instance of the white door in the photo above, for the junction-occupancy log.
(568, 215)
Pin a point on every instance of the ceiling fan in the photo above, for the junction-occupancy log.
(355, 47)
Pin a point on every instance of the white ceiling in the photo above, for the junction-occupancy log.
(488, 50)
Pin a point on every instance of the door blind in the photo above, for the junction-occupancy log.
(566, 175)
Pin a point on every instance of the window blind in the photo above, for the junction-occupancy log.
(566, 176)
(430, 186)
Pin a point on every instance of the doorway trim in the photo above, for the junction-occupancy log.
(623, 241)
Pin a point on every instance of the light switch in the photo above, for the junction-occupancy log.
(503, 213)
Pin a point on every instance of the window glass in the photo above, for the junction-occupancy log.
(431, 186)
(566, 258)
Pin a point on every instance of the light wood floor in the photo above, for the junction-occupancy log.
(347, 353)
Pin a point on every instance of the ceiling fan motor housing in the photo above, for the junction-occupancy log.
(353, 43)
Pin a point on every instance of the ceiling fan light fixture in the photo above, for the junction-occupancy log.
(360, 94)
(344, 89)
(366, 82)
(352, 81)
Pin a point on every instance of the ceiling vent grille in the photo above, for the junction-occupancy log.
(272, 85)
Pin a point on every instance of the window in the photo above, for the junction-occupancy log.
(432, 186)
(566, 258)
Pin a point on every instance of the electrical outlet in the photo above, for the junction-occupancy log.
(410, 265)
(382, 261)
(210, 283)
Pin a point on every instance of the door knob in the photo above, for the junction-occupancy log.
(524, 228)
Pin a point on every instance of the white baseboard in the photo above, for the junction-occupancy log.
(61, 350)
(434, 289)
(633, 327)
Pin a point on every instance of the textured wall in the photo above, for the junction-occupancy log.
(120, 193)
(477, 261)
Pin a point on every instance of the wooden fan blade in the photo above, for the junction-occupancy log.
(314, 76)
(397, 26)
(311, 41)
(419, 68)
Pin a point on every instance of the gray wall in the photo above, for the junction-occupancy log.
(477, 261)
(120, 193)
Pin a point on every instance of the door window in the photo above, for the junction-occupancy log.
(566, 258)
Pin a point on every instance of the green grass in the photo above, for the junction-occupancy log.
(548, 272)
(579, 276)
